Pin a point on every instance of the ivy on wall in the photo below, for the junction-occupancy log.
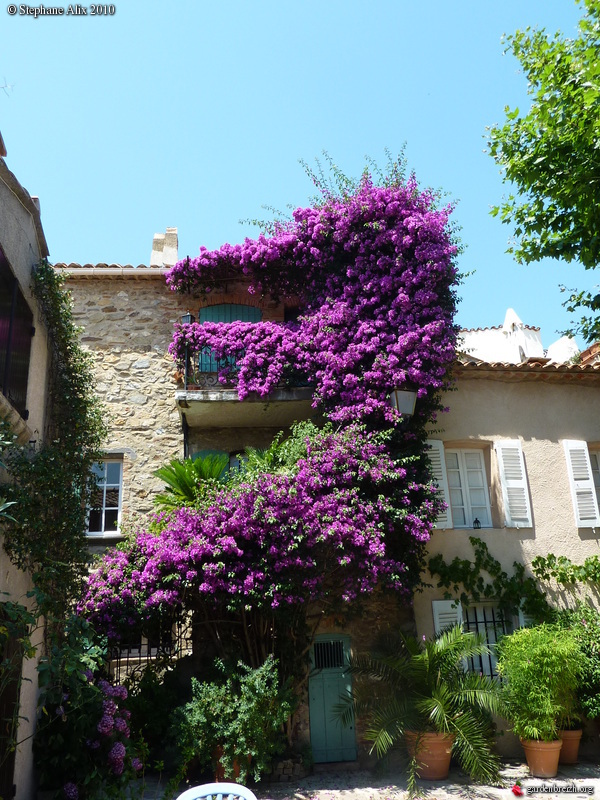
(50, 485)
(482, 578)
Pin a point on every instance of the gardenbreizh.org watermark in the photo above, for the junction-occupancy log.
(553, 788)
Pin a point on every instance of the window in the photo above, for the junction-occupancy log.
(467, 485)
(595, 464)
(16, 330)
(463, 484)
(583, 469)
(105, 508)
(482, 618)
(237, 460)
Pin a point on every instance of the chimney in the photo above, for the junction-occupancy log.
(164, 249)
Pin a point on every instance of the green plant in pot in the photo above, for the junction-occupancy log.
(233, 725)
(420, 691)
(584, 622)
(540, 670)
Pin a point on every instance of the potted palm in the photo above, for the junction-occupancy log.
(539, 667)
(421, 695)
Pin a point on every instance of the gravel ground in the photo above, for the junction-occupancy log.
(579, 780)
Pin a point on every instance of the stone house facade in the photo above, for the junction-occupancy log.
(23, 382)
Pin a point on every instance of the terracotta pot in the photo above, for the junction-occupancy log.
(570, 746)
(542, 757)
(433, 755)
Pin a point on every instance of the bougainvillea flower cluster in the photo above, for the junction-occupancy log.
(281, 540)
(374, 273)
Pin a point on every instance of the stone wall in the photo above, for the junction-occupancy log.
(127, 323)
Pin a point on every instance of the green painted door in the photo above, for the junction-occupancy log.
(223, 312)
(328, 683)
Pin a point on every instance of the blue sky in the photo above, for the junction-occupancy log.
(194, 114)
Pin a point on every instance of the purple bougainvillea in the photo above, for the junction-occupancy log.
(374, 273)
(280, 540)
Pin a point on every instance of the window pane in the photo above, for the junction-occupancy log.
(111, 520)
(112, 498)
(113, 473)
(458, 517)
(95, 520)
(453, 478)
(472, 459)
(98, 471)
(475, 479)
(97, 498)
(451, 460)
(477, 497)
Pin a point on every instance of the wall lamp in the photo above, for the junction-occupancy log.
(187, 319)
(404, 401)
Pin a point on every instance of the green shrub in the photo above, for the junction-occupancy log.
(82, 744)
(584, 622)
(242, 715)
(540, 668)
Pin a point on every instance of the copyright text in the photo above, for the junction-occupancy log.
(74, 10)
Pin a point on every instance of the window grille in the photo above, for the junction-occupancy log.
(329, 655)
(488, 620)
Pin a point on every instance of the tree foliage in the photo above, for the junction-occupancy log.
(551, 154)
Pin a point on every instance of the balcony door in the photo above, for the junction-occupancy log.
(223, 312)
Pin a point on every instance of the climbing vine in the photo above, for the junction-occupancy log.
(372, 269)
(482, 578)
(50, 484)
(565, 572)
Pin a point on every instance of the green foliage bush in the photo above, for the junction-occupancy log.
(238, 719)
(584, 623)
(422, 686)
(50, 486)
(540, 668)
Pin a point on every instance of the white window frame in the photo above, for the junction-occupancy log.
(104, 486)
(582, 482)
(470, 514)
(513, 483)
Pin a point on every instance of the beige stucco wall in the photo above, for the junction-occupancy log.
(541, 414)
(23, 248)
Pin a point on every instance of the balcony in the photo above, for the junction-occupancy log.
(209, 397)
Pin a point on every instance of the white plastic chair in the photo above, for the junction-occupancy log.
(218, 791)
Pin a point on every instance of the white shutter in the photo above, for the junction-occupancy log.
(438, 473)
(581, 480)
(446, 614)
(513, 478)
